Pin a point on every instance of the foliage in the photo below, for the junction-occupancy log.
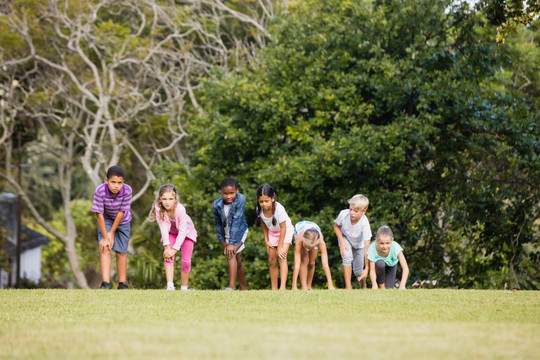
(103, 83)
(400, 101)
(510, 15)
(54, 263)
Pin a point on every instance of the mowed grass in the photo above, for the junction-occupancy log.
(319, 324)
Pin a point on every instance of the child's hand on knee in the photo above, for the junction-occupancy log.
(104, 244)
(282, 253)
(169, 253)
(230, 251)
(342, 249)
(110, 235)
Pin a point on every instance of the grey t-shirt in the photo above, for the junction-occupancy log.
(356, 234)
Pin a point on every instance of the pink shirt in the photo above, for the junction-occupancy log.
(183, 224)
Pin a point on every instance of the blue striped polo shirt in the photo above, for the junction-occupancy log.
(108, 205)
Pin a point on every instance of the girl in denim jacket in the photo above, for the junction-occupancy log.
(231, 229)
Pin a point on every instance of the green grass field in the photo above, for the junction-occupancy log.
(320, 324)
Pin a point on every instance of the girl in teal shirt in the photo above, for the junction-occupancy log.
(383, 256)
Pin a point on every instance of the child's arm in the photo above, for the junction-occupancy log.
(373, 275)
(218, 225)
(230, 250)
(342, 244)
(365, 273)
(404, 271)
(265, 234)
(297, 260)
(117, 220)
(326, 267)
(238, 216)
(282, 253)
(104, 243)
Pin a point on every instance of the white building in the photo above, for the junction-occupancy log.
(31, 243)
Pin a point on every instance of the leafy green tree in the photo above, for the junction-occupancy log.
(108, 82)
(509, 15)
(398, 100)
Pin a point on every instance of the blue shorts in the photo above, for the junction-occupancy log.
(121, 236)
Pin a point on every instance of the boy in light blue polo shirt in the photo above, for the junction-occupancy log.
(112, 203)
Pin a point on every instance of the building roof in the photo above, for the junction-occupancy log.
(30, 240)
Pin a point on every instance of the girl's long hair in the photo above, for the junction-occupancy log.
(266, 190)
(162, 211)
(312, 237)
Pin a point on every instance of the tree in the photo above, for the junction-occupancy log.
(509, 15)
(400, 101)
(107, 82)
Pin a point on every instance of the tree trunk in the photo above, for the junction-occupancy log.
(71, 252)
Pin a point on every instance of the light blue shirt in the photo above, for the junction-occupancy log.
(304, 225)
(390, 260)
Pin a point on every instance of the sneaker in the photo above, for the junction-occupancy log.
(171, 287)
(123, 286)
(106, 285)
(228, 289)
(188, 289)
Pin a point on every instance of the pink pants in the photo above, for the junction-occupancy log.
(187, 251)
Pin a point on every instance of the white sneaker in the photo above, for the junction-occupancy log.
(171, 287)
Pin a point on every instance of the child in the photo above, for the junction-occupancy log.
(278, 232)
(308, 238)
(177, 232)
(112, 203)
(354, 235)
(383, 257)
(231, 229)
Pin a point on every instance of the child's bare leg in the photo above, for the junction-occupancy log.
(121, 266)
(184, 278)
(303, 269)
(169, 273)
(272, 264)
(311, 267)
(284, 271)
(362, 282)
(233, 268)
(382, 286)
(347, 272)
(284, 268)
(241, 273)
(105, 262)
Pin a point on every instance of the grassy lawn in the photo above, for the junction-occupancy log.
(320, 324)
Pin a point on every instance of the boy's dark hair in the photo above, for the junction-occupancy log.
(116, 171)
(229, 181)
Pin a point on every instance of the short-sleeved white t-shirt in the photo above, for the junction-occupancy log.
(226, 208)
(356, 234)
(280, 215)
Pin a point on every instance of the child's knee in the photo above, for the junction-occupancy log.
(347, 259)
(380, 265)
(272, 260)
(186, 266)
(169, 262)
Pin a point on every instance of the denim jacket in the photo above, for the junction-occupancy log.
(236, 219)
